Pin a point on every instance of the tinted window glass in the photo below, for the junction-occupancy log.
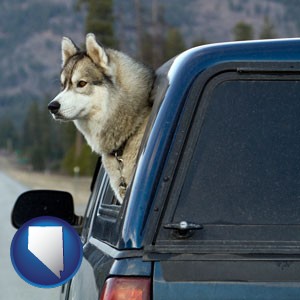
(246, 165)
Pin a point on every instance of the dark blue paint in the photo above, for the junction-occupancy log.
(131, 267)
(163, 289)
(181, 75)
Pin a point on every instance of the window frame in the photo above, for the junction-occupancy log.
(105, 220)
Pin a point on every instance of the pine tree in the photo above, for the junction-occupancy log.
(8, 134)
(157, 36)
(41, 141)
(32, 137)
(30, 133)
(85, 161)
(100, 20)
(242, 31)
(174, 43)
(200, 42)
(268, 31)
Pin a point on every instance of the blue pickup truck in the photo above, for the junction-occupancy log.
(213, 211)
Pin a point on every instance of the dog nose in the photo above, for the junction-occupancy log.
(54, 107)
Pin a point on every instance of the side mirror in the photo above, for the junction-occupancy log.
(38, 203)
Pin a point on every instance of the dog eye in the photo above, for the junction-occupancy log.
(81, 84)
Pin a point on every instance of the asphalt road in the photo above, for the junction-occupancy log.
(11, 285)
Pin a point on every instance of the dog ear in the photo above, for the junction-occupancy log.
(96, 52)
(68, 49)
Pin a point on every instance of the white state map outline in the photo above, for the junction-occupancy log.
(46, 244)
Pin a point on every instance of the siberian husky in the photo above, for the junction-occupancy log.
(106, 94)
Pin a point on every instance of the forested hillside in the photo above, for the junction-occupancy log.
(30, 33)
(150, 30)
(31, 30)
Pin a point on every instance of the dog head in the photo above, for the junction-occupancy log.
(85, 76)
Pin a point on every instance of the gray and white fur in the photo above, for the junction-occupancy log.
(106, 94)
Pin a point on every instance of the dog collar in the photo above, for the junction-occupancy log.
(119, 152)
(118, 155)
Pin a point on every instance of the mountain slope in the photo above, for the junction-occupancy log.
(31, 31)
(30, 35)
